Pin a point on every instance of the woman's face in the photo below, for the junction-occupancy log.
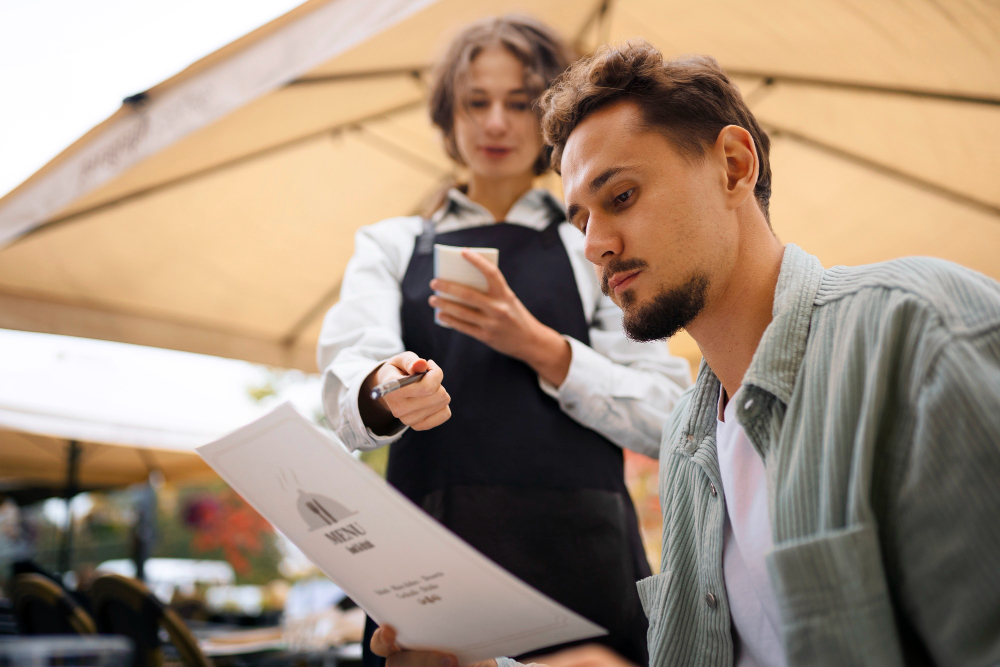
(496, 130)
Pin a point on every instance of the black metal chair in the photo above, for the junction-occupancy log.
(42, 607)
(124, 606)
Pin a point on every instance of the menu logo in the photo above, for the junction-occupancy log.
(320, 512)
(324, 513)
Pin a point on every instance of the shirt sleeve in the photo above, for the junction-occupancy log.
(363, 328)
(622, 389)
(944, 526)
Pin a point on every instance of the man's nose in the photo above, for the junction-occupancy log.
(602, 241)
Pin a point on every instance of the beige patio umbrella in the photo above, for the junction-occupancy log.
(215, 212)
(42, 455)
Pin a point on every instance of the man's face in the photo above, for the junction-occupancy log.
(655, 220)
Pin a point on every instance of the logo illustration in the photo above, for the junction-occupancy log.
(318, 511)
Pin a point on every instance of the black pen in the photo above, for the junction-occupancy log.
(392, 385)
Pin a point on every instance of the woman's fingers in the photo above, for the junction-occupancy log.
(435, 419)
(457, 310)
(423, 404)
(494, 277)
(469, 295)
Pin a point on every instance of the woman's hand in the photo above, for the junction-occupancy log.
(499, 319)
(384, 644)
(421, 405)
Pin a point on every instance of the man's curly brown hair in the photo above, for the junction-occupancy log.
(688, 100)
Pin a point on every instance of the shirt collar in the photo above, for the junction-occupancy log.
(535, 209)
(776, 362)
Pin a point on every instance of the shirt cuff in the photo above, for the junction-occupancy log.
(369, 439)
(507, 662)
(586, 367)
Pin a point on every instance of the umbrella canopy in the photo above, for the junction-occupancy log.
(38, 453)
(215, 212)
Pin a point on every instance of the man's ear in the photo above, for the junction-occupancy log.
(742, 168)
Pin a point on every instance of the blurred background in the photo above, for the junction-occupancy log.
(182, 182)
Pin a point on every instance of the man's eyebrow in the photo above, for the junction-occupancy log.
(604, 177)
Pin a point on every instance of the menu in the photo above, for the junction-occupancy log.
(399, 564)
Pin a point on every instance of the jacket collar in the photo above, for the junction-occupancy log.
(776, 362)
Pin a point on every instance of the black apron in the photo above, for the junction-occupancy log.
(510, 472)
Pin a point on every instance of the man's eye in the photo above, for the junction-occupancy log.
(518, 106)
(625, 196)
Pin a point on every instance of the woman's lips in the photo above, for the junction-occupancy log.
(496, 151)
(621, 281)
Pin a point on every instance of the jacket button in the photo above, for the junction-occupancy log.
(711, 601)
(711, 488)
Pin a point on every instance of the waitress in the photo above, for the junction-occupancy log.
(513, 437)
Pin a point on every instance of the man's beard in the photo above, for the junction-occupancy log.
(669, 311)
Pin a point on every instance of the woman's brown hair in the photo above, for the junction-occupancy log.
(541, 51)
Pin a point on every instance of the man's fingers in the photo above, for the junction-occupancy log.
(590, 655)
(384, 641)
(421, 659)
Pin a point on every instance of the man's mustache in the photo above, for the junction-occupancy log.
(616, 266)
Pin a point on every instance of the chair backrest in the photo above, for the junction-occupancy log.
(124, 606)
(42, 607)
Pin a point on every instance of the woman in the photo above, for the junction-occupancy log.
(512, 438)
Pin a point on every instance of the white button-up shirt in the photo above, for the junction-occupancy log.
(621, 389)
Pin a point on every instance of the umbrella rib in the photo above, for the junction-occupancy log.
(771, 78)
(416, 72)
(394, 149)
(221, 166)
(892, 172)
(596, 16)
(320, 307)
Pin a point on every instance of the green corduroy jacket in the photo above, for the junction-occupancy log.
(874, 401)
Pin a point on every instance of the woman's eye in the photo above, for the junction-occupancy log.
(624, 197)
(518, 106)
(479, 104)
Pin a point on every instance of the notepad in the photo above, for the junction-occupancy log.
(450, 265)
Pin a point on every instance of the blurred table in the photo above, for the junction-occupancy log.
(230, 646)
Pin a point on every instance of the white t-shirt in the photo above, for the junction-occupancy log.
(747, 540)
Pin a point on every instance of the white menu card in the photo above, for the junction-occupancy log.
(400, 565)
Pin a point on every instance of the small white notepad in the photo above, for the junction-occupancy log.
(400, 565)
(450, 265)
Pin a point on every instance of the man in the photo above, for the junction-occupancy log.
(830, 484)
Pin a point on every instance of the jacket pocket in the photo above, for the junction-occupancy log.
(834, 600)
(653, 593)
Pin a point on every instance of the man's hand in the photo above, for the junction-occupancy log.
(499, 319)
(384, 644)
(421, 405)
(591, 655)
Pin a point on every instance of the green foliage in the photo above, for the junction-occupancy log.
(377, 459)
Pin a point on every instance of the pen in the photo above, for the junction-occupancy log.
(392, 385)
